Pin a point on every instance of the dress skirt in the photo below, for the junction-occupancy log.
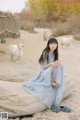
(41, 88)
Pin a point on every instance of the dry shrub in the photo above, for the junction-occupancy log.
(28, 26)
(77, 37)
(27, 21)
(62, 24)
(74, 21)
(25, 15)
(44, 24)
(61, 29)
(71, 26)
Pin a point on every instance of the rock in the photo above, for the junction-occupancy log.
(20, 103)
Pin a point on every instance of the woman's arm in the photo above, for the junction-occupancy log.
(47, 65)
(52, 64)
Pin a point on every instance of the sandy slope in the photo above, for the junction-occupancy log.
(33, 46)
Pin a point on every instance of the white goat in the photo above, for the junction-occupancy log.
(65, 41)
(46, 34)
(16, 52)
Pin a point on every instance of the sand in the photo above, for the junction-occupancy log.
(33, 46)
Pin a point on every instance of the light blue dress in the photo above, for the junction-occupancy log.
(40, 86)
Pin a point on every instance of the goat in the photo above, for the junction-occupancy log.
(16, 51)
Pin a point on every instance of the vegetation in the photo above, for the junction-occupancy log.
(51, 9)
(64, 19)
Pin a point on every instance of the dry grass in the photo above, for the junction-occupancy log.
(61, 25)
(27, 26)
(71, 26)
(77, 37)
(61, 29)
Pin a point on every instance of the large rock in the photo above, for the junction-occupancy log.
(17, 102)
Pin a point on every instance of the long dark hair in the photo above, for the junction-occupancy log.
(45, 54)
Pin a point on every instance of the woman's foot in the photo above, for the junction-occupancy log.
(65, 109)
(54, 84)
(60, 108)
(55, 109)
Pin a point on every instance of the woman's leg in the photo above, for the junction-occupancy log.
(58, 77)
(58, 74)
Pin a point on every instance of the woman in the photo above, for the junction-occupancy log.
(48, 84)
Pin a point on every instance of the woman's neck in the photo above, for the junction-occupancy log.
(51, 52)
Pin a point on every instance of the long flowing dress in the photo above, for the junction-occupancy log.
(40, 86)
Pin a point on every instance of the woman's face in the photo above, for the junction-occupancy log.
(52, 46)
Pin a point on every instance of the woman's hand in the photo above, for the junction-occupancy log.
(54, 84)
(55, 64)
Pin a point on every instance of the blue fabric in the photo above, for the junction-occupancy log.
(40, 85)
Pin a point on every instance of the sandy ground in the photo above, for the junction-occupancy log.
(33, 46)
